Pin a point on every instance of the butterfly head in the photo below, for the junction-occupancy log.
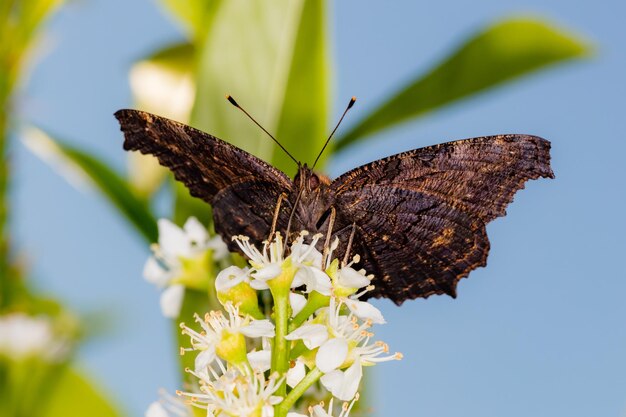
(309, 181)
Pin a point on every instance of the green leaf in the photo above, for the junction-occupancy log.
(501, 53)
(260, 67)
(80, 168)
(74, 396)
(164, 84)
(303, 120)
(195, 15)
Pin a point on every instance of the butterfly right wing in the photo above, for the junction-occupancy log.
(242, 189)
(420, 216)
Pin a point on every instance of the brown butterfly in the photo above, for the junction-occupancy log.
(417, 219)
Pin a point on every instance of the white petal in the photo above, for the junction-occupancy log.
(173, 241)
(268, 272)
(257, 284)
(351, 380)
(294, 414)
(315, 279)
(365, 311)
(344, 385)
(196, 232)
(332, 381)
(155, 274)
(259, 328)
(260, 360)
(297, 301)
(205, 358)
(229, 277)
(313, 256)
(350, 278)
(156, 409)
(295, 374)
(172, 300)
(275, 399)
(331, 354)
(318, 411)
(297, 279)
(220, 250)
(313, 335)
(267, 411)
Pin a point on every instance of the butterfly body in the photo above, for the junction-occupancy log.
(418, 217)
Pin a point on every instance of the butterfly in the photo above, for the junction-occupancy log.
(417, 219)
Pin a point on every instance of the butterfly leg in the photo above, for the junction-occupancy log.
(281, 197)
(329, 233)
(293, 211)
(346, 257)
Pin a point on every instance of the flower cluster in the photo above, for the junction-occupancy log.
(291, 324)
(182, 259)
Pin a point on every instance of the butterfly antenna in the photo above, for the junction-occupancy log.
(350, 104)
(234, 103)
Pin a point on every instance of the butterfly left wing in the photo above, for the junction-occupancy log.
(242, 189)
(420, 216)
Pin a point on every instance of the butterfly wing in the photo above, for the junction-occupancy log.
(242, 189)
(420, 215)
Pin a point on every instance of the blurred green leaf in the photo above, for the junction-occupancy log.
(503, 52)
(79, 167)
(303, 121)
(195, 15)
(162, 83)
(74, 396)
(258, 66)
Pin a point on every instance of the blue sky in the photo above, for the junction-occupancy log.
(539, 332)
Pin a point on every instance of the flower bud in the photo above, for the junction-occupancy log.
(232, 348)
(233, 285)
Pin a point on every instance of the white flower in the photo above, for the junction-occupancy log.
(364, 310)
(351, 278)
(268, 263)
(176, 245)
(215, 325)
(260, 360)
(319, 411)
(345, 286)
(231, 277)
(23, 336)
(350, 345)
(168, 406)
(342, 341)
(236, 395)
(312, 335)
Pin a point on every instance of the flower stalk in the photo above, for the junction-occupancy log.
(298, 391)
(253, 364)
(279, 288)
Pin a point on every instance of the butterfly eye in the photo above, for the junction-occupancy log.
(314, 182)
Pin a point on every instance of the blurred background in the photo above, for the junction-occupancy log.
(539, 332)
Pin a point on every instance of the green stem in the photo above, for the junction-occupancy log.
(281, 410)
(280, 351)
(5, 265)
(314, 302)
